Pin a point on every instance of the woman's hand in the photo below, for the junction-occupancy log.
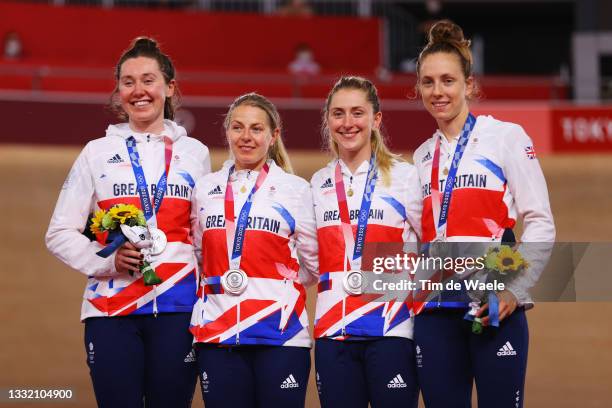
(128, 259)
(507, 304)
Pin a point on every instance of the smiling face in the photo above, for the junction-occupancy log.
(444, 88)
(250, 136)
(142, 94)
(350, 120)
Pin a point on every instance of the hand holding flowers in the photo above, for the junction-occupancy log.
(127, 222)
(503, 264)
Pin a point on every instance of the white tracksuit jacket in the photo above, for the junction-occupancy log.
(394, 217)
(498, 180)
(101, 177)
(279, 256)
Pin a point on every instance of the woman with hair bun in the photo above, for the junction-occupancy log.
(259, 251)
(510, 185)
(137, 339)
(364, 351)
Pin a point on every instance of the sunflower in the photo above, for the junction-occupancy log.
(123, 213)
(509, 260)
(491, 258)
(96, 222)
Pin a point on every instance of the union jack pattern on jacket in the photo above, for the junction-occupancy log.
(498, 181)
(101, 177)
(394, 217)
(279, 256)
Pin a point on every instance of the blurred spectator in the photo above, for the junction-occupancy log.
(13, 49)
(296, 8)
(304, 63)
(434, 13)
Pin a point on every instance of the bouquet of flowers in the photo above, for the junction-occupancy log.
(502, 264)
(126, 222)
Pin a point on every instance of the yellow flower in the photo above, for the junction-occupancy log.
(121, 213)
(96, 222)
(509, 260)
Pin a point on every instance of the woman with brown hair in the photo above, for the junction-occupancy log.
(478, 176)
(137, 340)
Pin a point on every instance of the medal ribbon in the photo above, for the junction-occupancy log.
(236, 229)
(141, 181)
(440, 205)
(355, 243)
(149, 209)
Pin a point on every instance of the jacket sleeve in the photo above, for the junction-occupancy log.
(306, 237)
(196, 230)
(414, 204)
(527, 186)
(64, 237)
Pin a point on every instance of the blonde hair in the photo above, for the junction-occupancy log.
(384, 157)
(277, 151)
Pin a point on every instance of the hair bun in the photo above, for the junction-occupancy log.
(144, 43)
(445, 31)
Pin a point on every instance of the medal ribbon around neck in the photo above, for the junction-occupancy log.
(440, 204)
(236, 229)
(149, 208)
(354, 244)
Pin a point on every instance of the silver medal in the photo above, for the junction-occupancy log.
(159, 240)
(439, 248)
(234, 281)
(353, 282)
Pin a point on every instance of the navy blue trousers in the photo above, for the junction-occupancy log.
(253, 376)
(354, 373)
(450, 357)
(137, 361)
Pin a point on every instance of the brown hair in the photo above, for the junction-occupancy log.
(277, 151)
(384, 157)
(147, 47)
(446, 36)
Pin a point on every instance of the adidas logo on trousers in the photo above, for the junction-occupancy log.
(506, 350)
(290, 382)
(397, 382)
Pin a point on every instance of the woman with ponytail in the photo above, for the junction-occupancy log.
(364, 352)
(478, 175)
(137, 339)
(259, 251)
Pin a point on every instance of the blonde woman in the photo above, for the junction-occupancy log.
(364, 351)
(259, 250)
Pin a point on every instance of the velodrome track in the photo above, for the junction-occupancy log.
(570, 363)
